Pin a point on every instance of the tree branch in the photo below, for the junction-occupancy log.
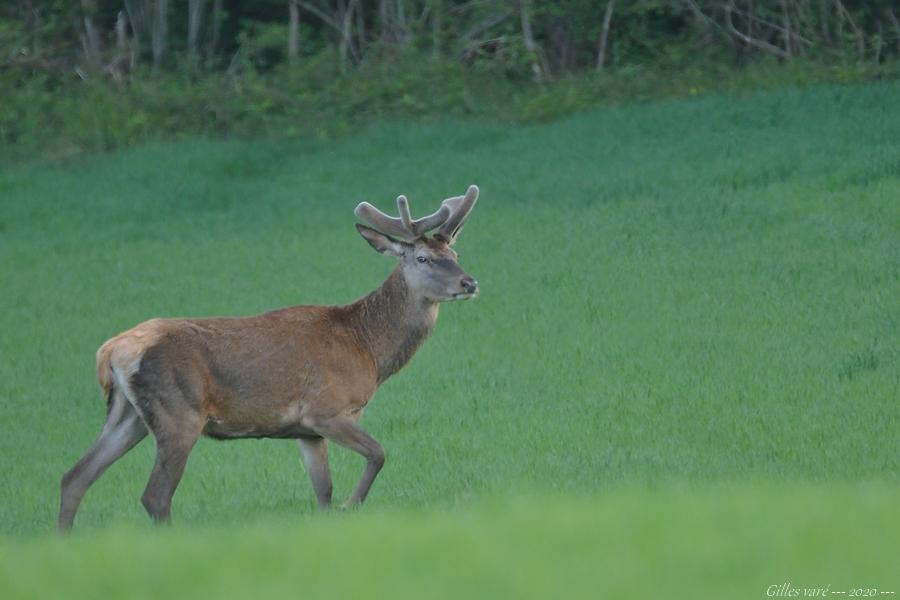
(328, 19)
(896, 24)
(756, 43)
(750, 16)
(487, 23)
(604, 34)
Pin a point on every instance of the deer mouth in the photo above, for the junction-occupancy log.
(464, 295)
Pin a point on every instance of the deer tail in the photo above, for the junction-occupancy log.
(104, 367)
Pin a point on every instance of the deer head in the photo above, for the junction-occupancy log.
(429, 266)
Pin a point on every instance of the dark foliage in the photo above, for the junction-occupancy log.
(101, 73)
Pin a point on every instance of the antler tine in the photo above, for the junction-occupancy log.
(460, 207)
(382, 222)
(405, 217)
(433, 220)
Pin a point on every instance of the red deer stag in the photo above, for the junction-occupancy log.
(305, 372)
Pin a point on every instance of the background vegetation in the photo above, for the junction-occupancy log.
(99, 74)
(686, 354)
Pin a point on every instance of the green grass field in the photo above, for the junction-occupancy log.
(686, 352)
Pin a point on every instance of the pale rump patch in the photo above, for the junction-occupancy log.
(120, 356)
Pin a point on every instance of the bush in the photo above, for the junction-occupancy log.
(49, 115)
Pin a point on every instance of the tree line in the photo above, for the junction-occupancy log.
(534, 39)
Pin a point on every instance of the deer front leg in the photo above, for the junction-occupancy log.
(315, 458)
(346, 432)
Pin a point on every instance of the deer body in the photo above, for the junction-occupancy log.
(275, 374)
(305, 372)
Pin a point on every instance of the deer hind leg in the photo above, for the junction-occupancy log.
(175, 428)
(346, 432)
(122, 432)
(315, 458)
(169, 404)
(171, 459)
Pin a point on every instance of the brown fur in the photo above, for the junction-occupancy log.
(261, 376)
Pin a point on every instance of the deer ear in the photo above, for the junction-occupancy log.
(382, 243)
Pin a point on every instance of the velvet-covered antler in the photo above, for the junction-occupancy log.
(460, 207)
(402, 227)
(450, 217)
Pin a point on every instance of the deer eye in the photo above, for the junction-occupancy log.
(421, 259)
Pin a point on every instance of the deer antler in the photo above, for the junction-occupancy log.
(449, 217)
(402, 227)
(460, 207)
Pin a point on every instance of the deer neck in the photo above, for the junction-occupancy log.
(394, 322)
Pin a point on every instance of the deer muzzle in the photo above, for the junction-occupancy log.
(469, 285)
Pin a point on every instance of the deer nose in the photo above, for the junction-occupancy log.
(469, 285)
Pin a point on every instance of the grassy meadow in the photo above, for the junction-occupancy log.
(685, 354)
